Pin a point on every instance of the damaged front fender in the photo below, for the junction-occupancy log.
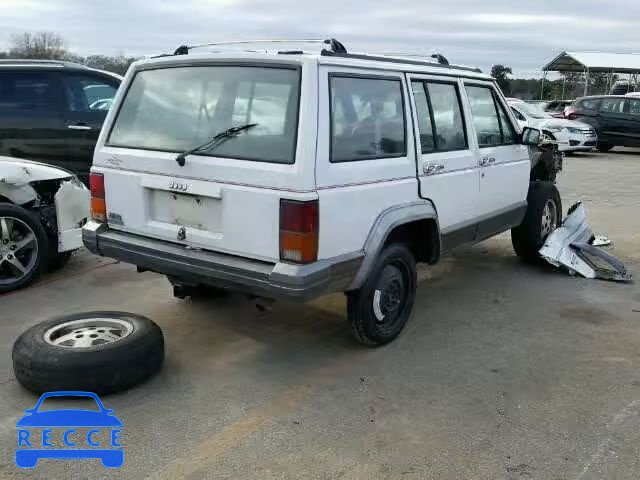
(570, 246)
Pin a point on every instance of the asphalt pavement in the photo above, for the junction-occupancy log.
(504, 371)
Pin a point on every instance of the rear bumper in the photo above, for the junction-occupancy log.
(272, 280)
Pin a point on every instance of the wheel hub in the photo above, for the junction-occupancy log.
(389, 294)
(89, 332)
(549, 219)
(18, 250)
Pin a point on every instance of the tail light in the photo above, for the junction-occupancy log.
(298, 231)
(98, 205)
(570, 114)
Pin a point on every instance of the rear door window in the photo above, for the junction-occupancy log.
(367, 118)
(87, 93)
(612, 105)
(440, 119)
(176, 109)
(28, 91)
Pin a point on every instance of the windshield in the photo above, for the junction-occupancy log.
(177, 109)
(532, 111)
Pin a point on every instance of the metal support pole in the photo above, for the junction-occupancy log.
(564, 82)
(542, 87)
(586, 82)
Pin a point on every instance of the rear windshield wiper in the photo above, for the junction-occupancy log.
(215, 141)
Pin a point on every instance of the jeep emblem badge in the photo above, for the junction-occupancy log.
(182, 233)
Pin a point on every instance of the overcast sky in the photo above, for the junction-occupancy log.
(520, 34)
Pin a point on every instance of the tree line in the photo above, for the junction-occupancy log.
(52, 46)
(567, 87)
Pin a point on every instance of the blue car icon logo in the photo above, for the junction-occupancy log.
(40, 432)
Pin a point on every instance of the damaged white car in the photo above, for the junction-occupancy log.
(42, 210)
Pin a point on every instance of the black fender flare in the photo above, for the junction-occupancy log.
(388, 220)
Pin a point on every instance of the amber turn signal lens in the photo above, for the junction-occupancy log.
(98, 210)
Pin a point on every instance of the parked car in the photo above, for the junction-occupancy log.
(574, 136)
(360, 167)
(42, 209)
(616, 119)
(52, 111)
(556, 108)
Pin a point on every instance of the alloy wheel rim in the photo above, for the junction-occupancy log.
(88, 332)
(549, 219)
(18, 250)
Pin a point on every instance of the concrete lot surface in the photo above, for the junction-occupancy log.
(504, 371)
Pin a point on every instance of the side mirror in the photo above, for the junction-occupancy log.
(531, 136)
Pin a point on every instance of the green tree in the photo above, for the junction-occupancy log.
(500, 73)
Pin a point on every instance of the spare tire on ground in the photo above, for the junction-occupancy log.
(99, 352)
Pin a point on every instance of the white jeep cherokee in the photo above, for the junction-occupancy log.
(289, 174)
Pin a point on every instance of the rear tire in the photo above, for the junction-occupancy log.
(379, 310)
(604, 147)
(544, 214)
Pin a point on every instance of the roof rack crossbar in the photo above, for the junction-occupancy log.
(33, 61)
(334, 45)
(403, 59)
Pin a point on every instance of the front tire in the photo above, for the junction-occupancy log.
(379, 310)
(604, 147)
(24, 247)
(543, 216)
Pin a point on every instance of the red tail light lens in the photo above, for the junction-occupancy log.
(98, 204)
(298, 231)
(570, 114)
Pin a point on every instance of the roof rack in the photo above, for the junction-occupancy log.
(334, 45)
(442, 62)
(336, 49)
(48, 63)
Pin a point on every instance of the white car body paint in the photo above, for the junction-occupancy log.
(232, 206)
(71, 200)
(559, 127)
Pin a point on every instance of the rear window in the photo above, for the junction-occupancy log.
(176, 109)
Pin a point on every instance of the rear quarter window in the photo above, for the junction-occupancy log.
(367, 118)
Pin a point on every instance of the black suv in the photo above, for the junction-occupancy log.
(52, 111)
(616, 119)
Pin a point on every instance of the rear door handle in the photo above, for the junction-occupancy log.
(79, 127)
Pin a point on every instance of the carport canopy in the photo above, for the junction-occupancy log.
(594, 62)
(589, 62)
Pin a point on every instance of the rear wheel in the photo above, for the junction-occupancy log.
(543, 216)
(379, 310)
(604, 147)
(24, 248)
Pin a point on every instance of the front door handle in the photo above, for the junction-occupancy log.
(431, 168)
(486, 161)
(79, 127)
